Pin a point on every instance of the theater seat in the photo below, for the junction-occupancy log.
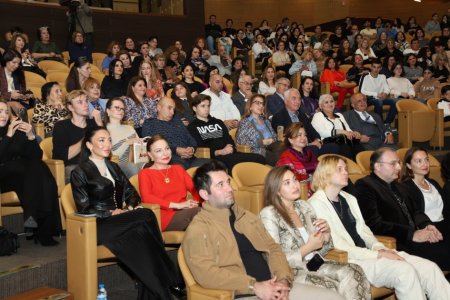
(194, 290)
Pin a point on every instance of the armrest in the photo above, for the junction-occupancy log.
(202, 152)
(56, 166)
(243, 148)
(39, 128)
(388, 241)
(156, 210)
(337, 255)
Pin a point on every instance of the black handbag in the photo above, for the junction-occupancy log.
(9, 242)
(339, 139)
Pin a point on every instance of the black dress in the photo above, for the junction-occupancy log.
(23, 171)
(134, 236)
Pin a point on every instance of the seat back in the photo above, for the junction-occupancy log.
(99, 76)
(47, 148)
(52, 65)
(33, 79)
(250, 174)
(97, 59)
(363, 160)
(345, 67)
(58, 76)
(410, 105)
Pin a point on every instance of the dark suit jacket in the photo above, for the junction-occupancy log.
(382, 212)
(274, 104)
(4, 85)
(282, 118)
(376, 133)
(239, 101)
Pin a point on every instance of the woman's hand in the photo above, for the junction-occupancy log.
(267, 142)
(193, 94)
(12, 128)
(118, 211)
(134, 140)
(184, 205)
(17, 95)
(323, 227)
(316, 241)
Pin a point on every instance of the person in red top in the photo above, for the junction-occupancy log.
(167, 185)
(337, 80)
(302, 161)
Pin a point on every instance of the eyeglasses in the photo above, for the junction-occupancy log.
(392, 163)
(258, 103)
(118, 108)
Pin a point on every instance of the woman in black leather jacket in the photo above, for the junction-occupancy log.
(130, 232)
(23, 171)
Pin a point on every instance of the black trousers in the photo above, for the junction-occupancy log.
(134, 237)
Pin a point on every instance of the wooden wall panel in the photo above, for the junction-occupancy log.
(108, 25)
(311, 12)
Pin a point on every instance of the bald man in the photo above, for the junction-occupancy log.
(180, 141)
(222, 107)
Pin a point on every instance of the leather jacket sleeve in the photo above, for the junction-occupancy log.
(80, 193)
(130, 195)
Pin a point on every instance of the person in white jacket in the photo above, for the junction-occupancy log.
(412, 277)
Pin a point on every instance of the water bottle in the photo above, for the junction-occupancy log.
(101, 292)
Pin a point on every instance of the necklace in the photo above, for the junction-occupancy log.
(339, 212)
(166, 178)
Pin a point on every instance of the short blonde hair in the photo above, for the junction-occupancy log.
(326, 167)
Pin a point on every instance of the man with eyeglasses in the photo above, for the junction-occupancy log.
(388, 210)
(244, 93)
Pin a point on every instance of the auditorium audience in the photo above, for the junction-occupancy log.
(97, 105)
(79, 72)
(43, 48)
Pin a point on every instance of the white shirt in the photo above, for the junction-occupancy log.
(263, 88)
(10, 81)
(305, 236)
(372, 86)
(433, 203)
(445, 105)
(222, 107)
(399, 85)
(363, 117)
(258, 49)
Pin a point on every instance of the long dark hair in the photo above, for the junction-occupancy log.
(130, 92)
(178, 102)
(90, 132)
(272, 185)
(407, 173)
(73, 78)
(112, 65)
(46, 89)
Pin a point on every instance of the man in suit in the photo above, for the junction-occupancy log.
(373, 132)
(290, 113)
(388, 210)
(275, 102)
(244, 93)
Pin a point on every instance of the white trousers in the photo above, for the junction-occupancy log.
(301, 291)
(415, 278)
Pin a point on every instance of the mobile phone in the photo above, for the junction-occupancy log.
(315, 263)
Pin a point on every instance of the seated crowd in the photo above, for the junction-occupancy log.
(172, 103)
